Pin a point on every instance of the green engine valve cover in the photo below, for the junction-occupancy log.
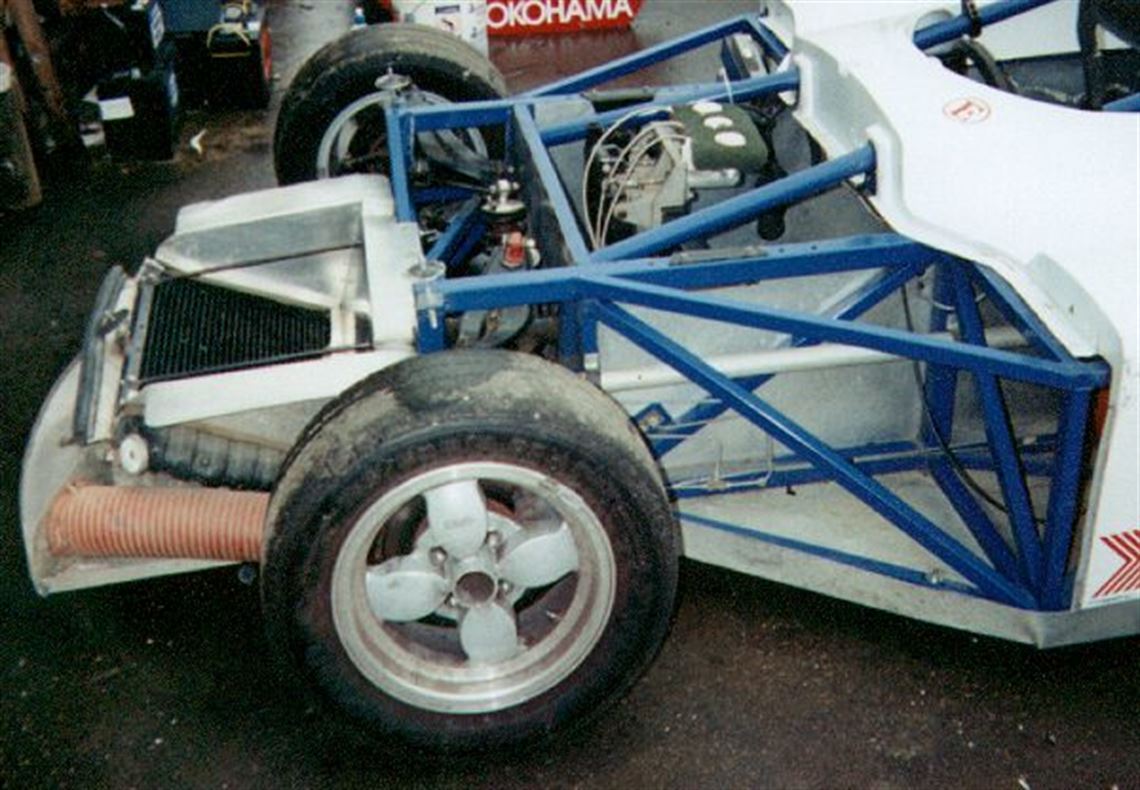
(724, 137)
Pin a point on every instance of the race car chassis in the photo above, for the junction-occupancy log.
(1033, 572)
(975, 507)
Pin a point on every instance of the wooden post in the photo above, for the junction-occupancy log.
(19, 181)
(6, 57)
(27, 24)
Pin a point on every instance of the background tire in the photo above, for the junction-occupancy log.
(361, 516)
(344, 73)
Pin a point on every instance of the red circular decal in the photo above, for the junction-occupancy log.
(967, 110)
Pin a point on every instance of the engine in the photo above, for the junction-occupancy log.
(639, 175)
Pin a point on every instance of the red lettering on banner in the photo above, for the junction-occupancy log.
(521, 17)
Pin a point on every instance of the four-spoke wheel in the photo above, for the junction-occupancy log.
(470, 549)
(467, 567)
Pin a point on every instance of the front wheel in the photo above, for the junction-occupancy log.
(470, 549)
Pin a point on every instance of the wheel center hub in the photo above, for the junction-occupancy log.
(475, 588)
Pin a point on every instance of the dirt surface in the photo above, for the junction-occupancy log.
(166, 683)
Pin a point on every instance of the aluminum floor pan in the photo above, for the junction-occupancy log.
(755, 532)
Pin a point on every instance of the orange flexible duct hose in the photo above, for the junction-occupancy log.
(189, 523)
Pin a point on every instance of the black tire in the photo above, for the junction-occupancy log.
(504, 419)
(347, 69)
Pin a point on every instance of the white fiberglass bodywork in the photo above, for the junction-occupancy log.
(1047, 196)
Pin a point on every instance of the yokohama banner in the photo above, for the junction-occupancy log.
(522, 17)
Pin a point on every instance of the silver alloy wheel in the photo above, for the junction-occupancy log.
(473, 587)
(340, 151)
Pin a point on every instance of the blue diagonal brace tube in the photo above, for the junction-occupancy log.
(999, 432)
(1127, 104)
(1017, 312)
(552, 184)
(1064, 495)
(941, 387)
(646, 57)
(975, 519)
(456, 238)
(769, 40)
(958, 26)
(859, 303)
(742, 208)
(594, 283)
(868, 490)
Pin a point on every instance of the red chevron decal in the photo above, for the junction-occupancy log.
(1127, 576)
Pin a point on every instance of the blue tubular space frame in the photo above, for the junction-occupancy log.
(670, 49)
(1020, 558)
(963, 25)
(1126, 104)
